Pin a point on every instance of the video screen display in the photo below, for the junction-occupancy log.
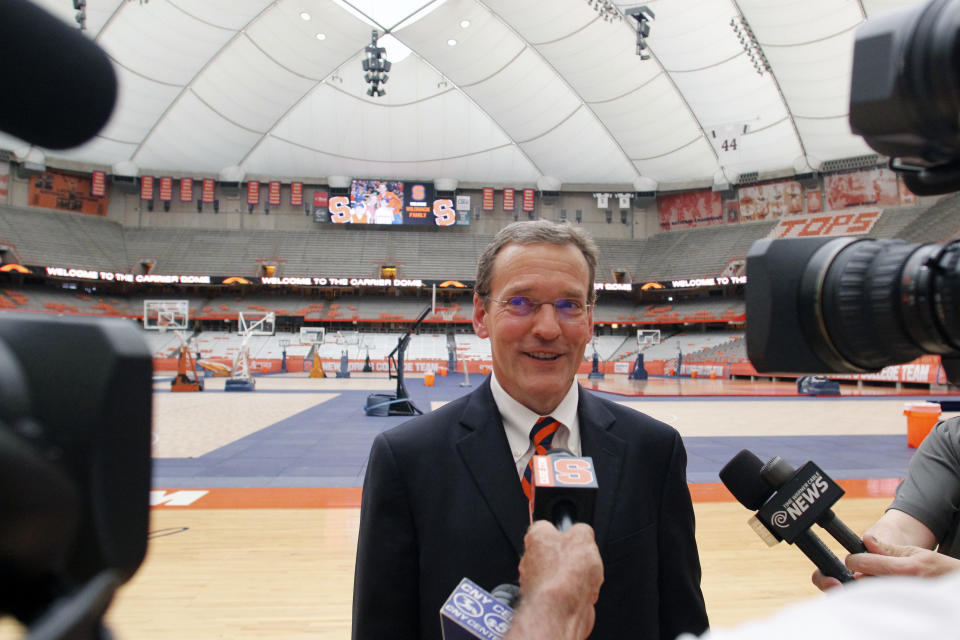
(384, 202)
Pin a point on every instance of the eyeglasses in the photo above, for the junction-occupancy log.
(567, 308)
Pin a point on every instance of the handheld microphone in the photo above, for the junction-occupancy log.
(788, 512)
(777, 472)
(564, 488)
(472, 613)
(64, 90)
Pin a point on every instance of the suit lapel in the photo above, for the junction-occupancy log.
(486, 454)
(607, 451)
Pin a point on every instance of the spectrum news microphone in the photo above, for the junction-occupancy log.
(788, 511)
(564, 493)
(63, 87)
(778, 472)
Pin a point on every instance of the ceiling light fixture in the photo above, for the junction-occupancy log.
(642, 14)
(741, 28)
(376, 66)
(607, 10)
(81, 15)
(305, 16)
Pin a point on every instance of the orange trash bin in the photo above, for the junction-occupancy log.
(921, 418)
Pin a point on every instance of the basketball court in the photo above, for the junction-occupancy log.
(256, 495)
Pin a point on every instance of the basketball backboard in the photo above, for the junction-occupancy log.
(163, 315)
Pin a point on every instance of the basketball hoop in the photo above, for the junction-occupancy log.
(446, 314)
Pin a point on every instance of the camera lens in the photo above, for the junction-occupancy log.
(905, 93)
(866, 304)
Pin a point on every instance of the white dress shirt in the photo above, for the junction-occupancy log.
(519, 420)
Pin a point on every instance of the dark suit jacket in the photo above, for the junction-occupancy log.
(442, 501)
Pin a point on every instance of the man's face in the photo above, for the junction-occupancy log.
(535, 357)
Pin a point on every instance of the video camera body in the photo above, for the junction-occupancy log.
(853, 305)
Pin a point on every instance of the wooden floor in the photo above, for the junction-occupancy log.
(282, 567)
(288, 573)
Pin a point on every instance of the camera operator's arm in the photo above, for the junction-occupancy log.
(560, 578)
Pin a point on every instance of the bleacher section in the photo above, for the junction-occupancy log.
(54, 238)
(42, 237)
(732, 350)
(939, 223)
(334, 252)
(688, 344)
(383, 310)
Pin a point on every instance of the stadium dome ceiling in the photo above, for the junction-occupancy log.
(484, 92)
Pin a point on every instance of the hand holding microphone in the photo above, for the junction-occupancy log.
(560, 569)
(560, 578)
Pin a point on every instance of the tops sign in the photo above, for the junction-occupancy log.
(849, 223)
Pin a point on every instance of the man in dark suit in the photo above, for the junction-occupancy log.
(443, 497)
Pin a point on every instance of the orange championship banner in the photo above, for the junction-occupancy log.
(253, 192)
(296, 194)
(66, 192)
(98, 185)
(4, 181)
(146, 188)
(273, 193)
(166, 189)
(846, 223)
(488, 198)
(206, 189)
(508, 199)
(186, 189)
(528, 200)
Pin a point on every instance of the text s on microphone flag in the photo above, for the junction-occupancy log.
(564, 489)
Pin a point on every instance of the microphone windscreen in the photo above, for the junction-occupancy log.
(61, 90)
(507, 594)
(742, 477)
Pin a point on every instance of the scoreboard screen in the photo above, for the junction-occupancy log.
(384, 202)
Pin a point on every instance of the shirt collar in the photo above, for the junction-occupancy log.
(518, 420)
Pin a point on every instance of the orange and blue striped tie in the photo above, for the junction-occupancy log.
(541, 435)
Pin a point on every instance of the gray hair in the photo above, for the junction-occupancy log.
(534, 232)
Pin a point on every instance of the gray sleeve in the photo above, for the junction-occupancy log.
(931, 491)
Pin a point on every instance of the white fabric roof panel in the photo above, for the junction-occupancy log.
(141, 103)
(532, 88)
(191, 133)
